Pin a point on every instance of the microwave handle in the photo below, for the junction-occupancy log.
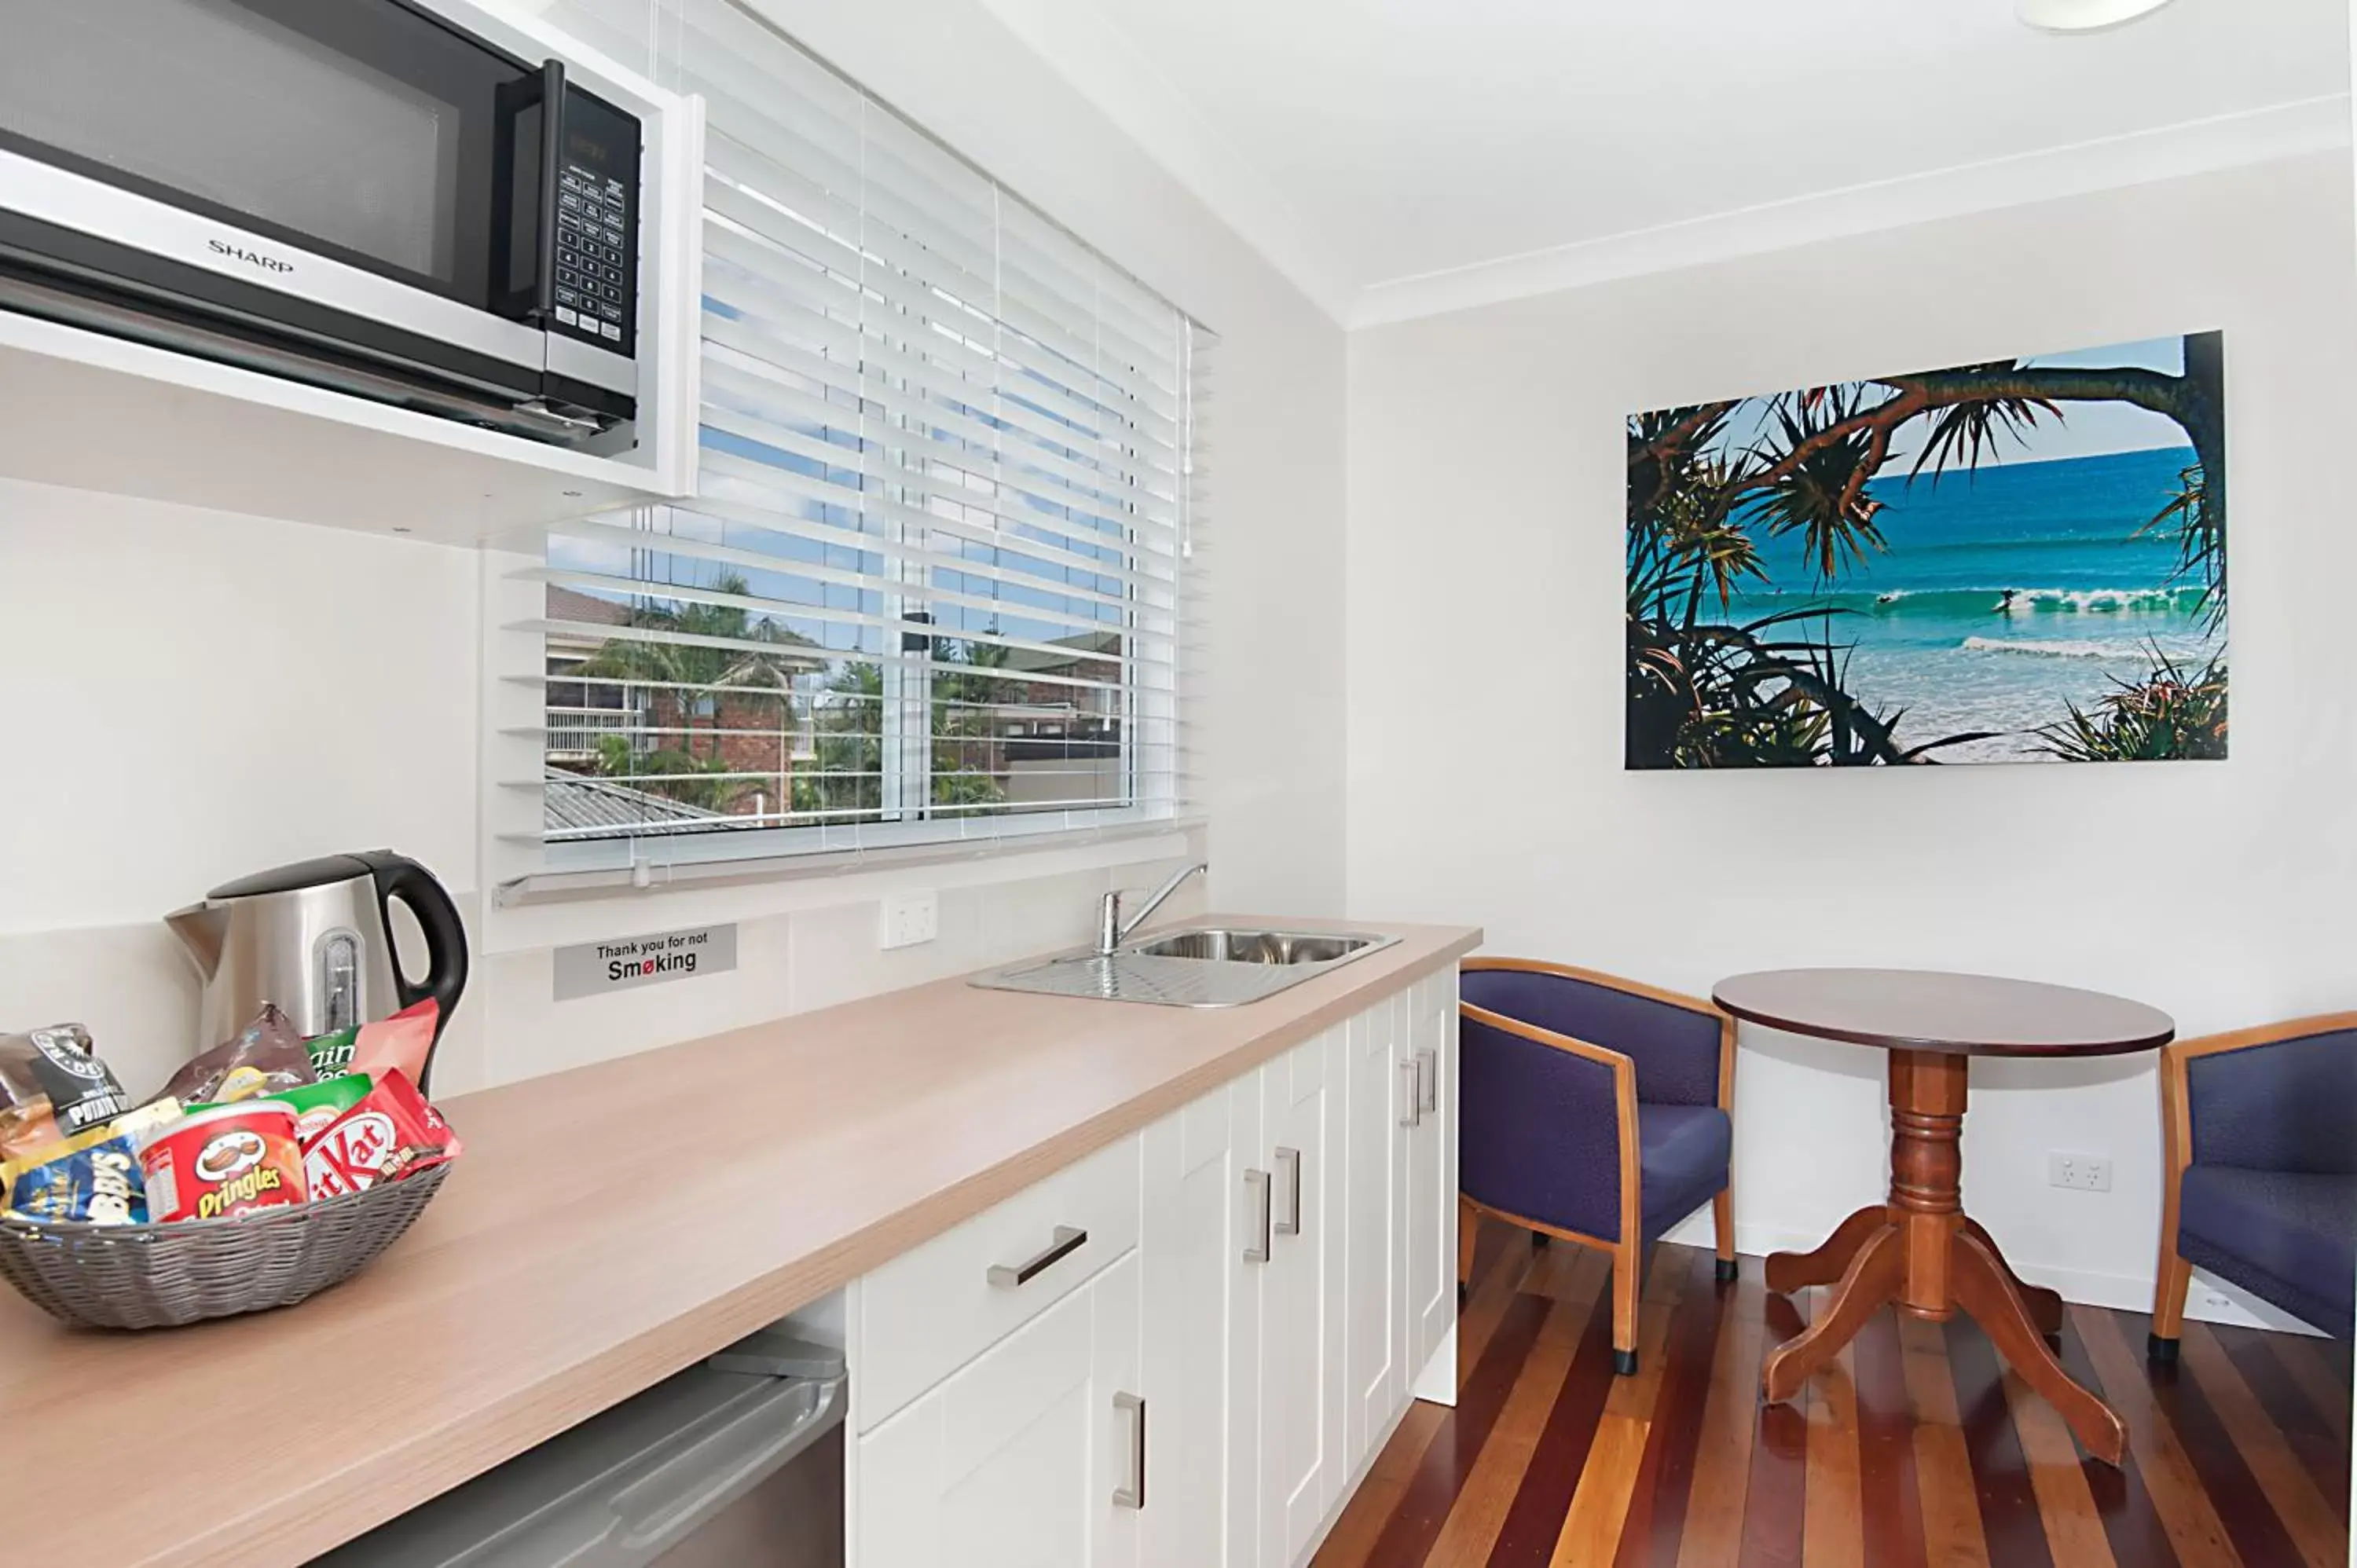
(551, 176)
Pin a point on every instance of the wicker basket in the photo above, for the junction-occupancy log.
(153, 1277)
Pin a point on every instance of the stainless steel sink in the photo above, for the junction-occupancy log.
(1218, 945)
(1204, 966)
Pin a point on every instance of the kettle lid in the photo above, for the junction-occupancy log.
(326, 871)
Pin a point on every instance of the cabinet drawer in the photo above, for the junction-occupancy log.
(929, 1311)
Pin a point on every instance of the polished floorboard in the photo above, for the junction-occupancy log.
(1916, 1449)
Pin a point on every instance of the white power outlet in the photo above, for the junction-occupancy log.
(2085, 1173)
(910, 918)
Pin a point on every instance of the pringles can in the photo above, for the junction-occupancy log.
(234, 1159)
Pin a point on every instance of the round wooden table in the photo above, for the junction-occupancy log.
(1918, 1250)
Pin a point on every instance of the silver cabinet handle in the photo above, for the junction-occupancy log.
(1256, 1185)
(1427, 1082)
(1289, 1162)
(1413, 1096)
(1133, 1496)
(1066, 1241)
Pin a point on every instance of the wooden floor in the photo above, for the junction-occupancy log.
(1917, 1450)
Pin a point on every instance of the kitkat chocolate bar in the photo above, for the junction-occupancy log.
(389, 1133)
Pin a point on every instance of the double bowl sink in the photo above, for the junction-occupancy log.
(1195, 966)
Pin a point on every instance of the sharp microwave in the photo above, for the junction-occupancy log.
(359, 194)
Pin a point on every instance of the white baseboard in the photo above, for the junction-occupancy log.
(2209, 1300)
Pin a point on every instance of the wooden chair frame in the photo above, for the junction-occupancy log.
(1626, 1252)
(2175, 1275)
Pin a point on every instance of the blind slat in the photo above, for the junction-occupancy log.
(938, 579)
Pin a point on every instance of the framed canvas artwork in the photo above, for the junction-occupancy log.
(2023, 560)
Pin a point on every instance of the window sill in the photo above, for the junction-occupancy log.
(578, 906)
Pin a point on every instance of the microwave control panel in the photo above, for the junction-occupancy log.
(597, 225)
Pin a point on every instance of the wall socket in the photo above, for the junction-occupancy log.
(2086, 1173)
(910, 918)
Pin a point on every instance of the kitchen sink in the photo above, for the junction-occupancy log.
(1220, 945)
(1208, 966)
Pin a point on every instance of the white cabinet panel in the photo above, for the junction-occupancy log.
(1201, 1344)
(1014, 1462)
(1431, 1053)
(1374, 1290)
(931, 1311)
(1301, 1330)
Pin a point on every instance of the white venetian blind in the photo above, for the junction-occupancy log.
(936, 580)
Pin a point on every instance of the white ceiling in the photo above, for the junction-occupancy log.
(1396, 157)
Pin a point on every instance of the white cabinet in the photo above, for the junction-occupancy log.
(1269, 1276)
(1201, 1345)
(1027, 1458)
(1374, 1276)
(1300, 1288)
(1428, 1063)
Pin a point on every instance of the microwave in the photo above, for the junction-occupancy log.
(358, 194)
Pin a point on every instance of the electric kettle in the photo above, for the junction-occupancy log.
(316, 938)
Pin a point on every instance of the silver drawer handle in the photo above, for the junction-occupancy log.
(1256, 1187)
(1427, 1082)
(1069, 1239)
(1289, 1162)
(1413, 1095)
(1133, 1496)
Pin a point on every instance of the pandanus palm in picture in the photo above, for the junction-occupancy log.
(2022, 561)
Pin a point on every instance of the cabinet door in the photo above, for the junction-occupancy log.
(1200, 1351)
(1374, 1175)
(1430, 1051)
(1015, 1461)
(1301, 1387)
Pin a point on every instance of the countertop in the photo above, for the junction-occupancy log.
(607, 1227)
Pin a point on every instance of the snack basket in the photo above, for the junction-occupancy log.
(154, 1276)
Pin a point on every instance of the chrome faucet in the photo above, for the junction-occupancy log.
(1112, 929)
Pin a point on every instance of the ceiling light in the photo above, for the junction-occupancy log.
(2084, 16)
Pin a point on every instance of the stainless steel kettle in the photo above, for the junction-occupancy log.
(316, 938)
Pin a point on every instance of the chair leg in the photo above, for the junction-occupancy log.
(1469, 1241)
(2167, 1304)
(1722, 1213)
(1628, 1272)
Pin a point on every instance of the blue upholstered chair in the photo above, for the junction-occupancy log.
(2259, 1129)
(1593, 1109)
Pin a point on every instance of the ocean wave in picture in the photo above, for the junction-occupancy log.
(2053, 649)
(2175, 600)
(2033, 600)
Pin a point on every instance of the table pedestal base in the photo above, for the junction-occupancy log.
(1922, 1254)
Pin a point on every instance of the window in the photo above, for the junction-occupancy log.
(931, 584)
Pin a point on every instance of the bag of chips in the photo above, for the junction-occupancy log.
(264, 1056)
(91, 1178)
(399, 1044)
(52, 1086)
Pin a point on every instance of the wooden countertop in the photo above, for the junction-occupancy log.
(607, 1227)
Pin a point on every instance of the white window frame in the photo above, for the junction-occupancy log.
(1153, 702)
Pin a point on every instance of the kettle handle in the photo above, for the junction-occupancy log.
(398, 876)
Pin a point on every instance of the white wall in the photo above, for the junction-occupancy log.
(1487, 493)
(192, 696)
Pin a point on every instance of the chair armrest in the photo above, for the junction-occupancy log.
(1683, 1047)
(1535, 1132)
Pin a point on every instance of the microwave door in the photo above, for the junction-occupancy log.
(356, 130)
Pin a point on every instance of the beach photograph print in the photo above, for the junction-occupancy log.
(2023, 560)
